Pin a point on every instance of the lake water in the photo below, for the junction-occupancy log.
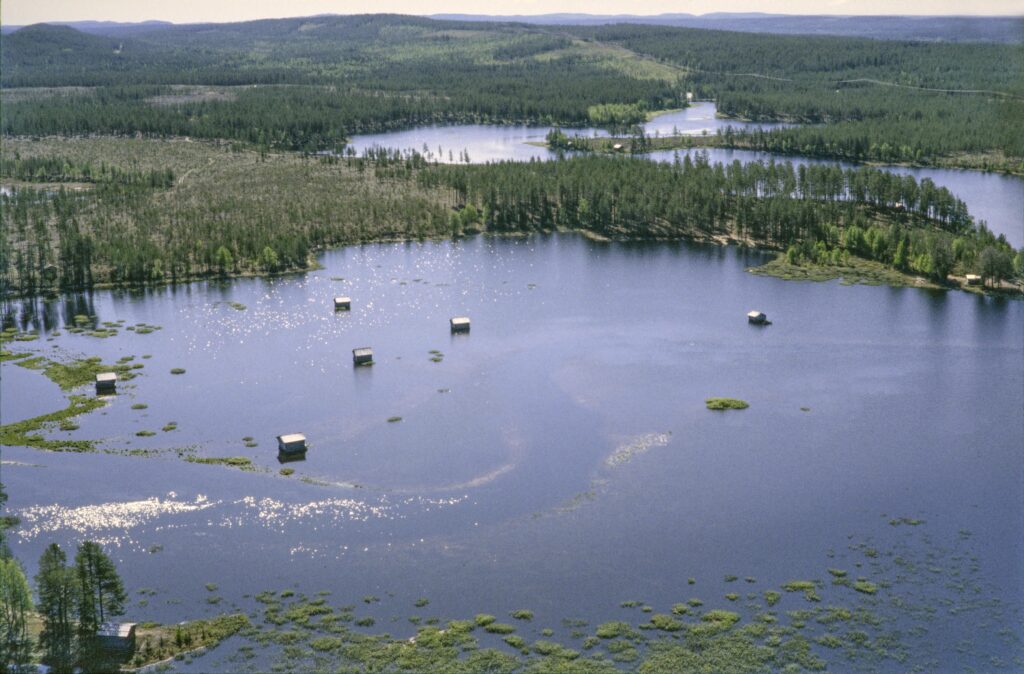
(559, 457)
(996, 198)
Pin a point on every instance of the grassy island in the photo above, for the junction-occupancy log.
(726, 404)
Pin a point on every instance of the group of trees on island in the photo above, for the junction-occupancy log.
(869, 213)
(73, 602)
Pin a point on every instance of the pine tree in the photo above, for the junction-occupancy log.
(55, 583)
(102, 594)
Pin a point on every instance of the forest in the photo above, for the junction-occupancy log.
(835, 87)
(186, 210)
(309, 84)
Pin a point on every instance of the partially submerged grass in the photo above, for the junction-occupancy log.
(156, 642)
(25, 433)
(855, 271)
(242, 462)
(75, 373)
(865, 586)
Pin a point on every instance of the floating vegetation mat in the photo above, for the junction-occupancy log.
(638, 445)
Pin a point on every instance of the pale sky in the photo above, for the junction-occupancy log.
(20, 12)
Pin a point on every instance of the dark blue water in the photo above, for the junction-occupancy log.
(559, 457)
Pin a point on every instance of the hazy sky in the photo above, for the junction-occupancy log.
(20, 12)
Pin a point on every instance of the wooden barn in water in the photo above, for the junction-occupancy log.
(757, 317)
(291, 446)
(106, 382)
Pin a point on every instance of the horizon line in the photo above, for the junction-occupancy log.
(449, 15)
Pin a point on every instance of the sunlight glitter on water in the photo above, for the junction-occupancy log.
(89, 519)
(270, 513)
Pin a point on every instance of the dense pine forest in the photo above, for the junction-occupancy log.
(308, 84)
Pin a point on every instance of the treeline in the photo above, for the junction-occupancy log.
(311, 118)
(63, 170)
(928, 126)
(908, 224)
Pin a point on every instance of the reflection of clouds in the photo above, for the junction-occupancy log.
(118, 518)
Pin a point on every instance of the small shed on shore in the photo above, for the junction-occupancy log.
(460, 324)
(106, 382)
(757, 317)
(362, 356)
(291, 444)
(973, 280)
(342, 303)
(116, 637)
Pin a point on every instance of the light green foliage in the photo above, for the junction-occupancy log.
(865, 586)
(666, 623)
(615, 629)
(726, 404)
(15, 608)
(25, 433)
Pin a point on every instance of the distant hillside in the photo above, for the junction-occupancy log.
(71, 52)
(114, 28)
(1003, 29)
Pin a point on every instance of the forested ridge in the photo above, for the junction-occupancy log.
(839, 86)
(185, 210)
(310, 83)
